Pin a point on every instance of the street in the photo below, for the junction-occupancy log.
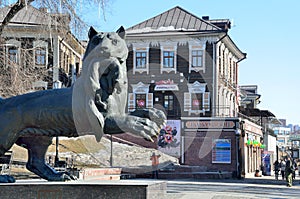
(264, 187)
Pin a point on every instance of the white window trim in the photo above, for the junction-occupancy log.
(194, 88)
(140, 47)
(13, 43)
(41, 44)
(194, 45)
(140, 88)
(168, 46)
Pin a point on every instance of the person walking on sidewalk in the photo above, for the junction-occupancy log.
(289, 168)
(276, 169)
(282, 169)
(155, 162)
(295, 167)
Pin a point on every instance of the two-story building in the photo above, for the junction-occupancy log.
(188, 67)
(36, 40)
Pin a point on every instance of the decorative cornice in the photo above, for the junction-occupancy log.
(156, 41)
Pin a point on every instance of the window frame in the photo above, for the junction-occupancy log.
(38, 45)
(168, 59)
(12, 43)
(169, 98)
(140, 47)
(140, 96)
(197, 46)
(40, 56)
(140, 59)
(170, 47)
(199, 98)
(196, 58)
(139, 89)
(195, 89)
(14, 55)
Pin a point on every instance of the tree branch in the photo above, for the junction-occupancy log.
(12, 12)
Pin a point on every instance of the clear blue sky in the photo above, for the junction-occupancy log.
(267, 30)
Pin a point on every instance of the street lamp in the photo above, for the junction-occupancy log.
(111, 151)
(56, 85)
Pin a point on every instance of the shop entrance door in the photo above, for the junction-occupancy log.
(169, 101)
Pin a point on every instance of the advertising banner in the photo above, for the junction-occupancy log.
(169, 138)
(221, 151)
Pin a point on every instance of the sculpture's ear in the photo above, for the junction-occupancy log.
(121, 32)
(92, 32)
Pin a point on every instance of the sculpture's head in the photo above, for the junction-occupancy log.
(107, 44)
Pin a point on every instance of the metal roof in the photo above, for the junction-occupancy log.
(255, 112)
(29, 16)
(178, 19)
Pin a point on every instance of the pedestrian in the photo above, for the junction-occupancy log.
(295, 167)
(298, 168)
(289, 168)
(282, 169)
(276, 169)
(155, 162)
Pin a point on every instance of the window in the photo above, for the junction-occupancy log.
(40, 53)
(197, 58)
(169, 102)
(140, 57)
(220, 60)
(40, 56)
(140, 97)
(223, 63)
(141, 60)
(197, 101)
(168, 59)
(12, 54)
(140, 101)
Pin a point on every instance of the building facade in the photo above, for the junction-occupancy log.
(188, 67)
(40, 41)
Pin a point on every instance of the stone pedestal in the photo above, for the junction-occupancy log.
(121, 189)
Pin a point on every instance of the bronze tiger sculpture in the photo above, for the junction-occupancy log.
(94, 105)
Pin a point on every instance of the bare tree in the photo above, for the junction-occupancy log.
(17, 78)
(72, 8)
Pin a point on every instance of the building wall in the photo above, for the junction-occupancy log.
(211, 143)
(198, 150)
(182, 77)
(60, 57)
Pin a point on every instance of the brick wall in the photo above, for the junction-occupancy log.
(198, 150)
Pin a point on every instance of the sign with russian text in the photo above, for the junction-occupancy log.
(210, 124)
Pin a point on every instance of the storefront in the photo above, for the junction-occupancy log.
(213, 143)
(252, 148)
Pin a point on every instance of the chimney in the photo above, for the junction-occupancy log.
(205, 18)
(43, 9)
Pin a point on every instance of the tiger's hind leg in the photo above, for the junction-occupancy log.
(37, 147)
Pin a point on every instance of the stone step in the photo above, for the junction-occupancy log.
(195, 175)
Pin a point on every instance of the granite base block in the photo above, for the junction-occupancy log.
(123, 189)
